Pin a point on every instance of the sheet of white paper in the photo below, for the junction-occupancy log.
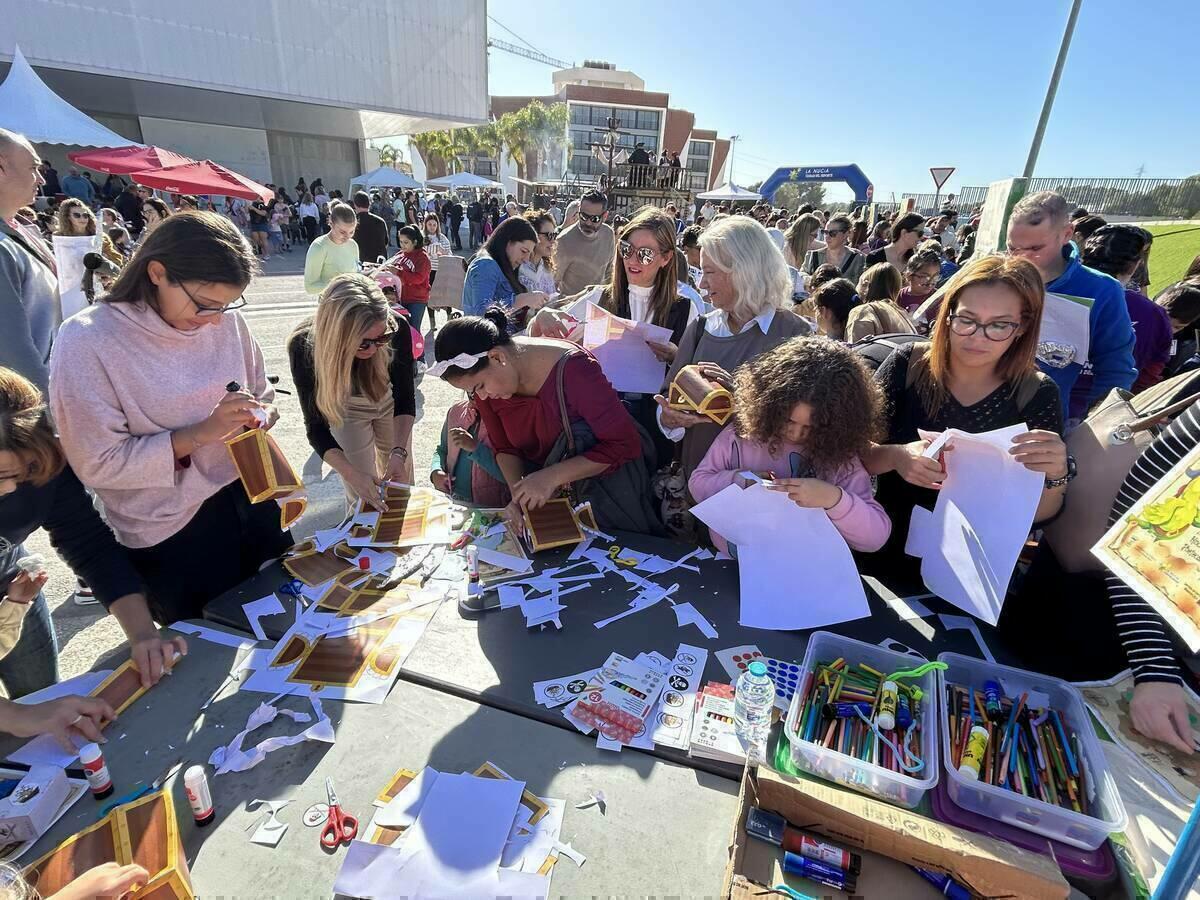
(264, 606)
(686, 614)
(439, 859)
(970, 543)
(44, 749)
(727, 513)
(212, 635)
(1065, 333)
(81, 684)
(505, 560)
(68, 259)
(402, 810)
(510, 595)
(369, 871)
(527, 852)
(620, 347)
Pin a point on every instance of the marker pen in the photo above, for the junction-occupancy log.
(830, 876)
(774, 829)
(944, 883)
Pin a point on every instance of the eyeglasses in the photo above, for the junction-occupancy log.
(551, 236)
(202, 310)
(595, 220)
(923, 279)
(368, 343)
(645, 255)
(834, 232)
(80, 216)
(964, 326)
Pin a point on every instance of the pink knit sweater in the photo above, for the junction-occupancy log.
(857, 516)
(121, 380)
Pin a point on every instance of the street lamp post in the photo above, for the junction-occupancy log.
(609, 148)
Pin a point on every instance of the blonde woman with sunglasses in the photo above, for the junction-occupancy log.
(75, 219)
(352, 367)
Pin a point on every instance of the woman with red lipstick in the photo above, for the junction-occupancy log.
(977, 373)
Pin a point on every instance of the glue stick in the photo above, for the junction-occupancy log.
(96, 771)
(472, 567)
(195, 785)
(972, 757)
(889, 696)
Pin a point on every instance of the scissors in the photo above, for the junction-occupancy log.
(339, 828)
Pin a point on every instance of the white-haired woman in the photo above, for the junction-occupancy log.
(748, 283)
(352, 366)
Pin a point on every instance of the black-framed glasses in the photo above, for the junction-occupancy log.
(834, 232)
(383, 339)
(551, 236)
(80, 216)
(595, 220)
(923, 279)
(202, 310)
(645, 255)
(965, 326)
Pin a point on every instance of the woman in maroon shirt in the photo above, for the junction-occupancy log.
(513, 382)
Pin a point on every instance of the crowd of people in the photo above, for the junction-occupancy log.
(129, 402)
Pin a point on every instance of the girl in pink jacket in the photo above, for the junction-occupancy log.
(804, 413)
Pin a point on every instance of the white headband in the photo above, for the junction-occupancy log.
(462, 361)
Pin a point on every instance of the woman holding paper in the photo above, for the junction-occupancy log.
(39, 490)
(492, 274)
(352, 367)
(806, 412)
(977, 373)
(140, 391)
(747, 281)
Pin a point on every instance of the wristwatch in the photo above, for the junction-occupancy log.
(1071, 473)
(400, 452)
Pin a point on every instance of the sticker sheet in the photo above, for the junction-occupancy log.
(618, 700)
(557, 691)
(670, 722)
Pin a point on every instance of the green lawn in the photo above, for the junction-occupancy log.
(1175, 246)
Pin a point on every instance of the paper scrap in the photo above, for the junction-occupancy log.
(403, 809)
(212, 635)
(510, 595)
(270, 830)
(264, 606)
(953, 622)
(232, 758)
(596, 799)
(686, 614)
(570, 853)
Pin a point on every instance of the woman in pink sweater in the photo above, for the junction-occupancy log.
(804, 412)
(139, 395)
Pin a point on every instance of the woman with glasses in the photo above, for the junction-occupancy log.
(978, 372)
(352, 367)
(492, 274)
(921, 275)
(838, 251)
(75, 219)
(907, 231)
(537, 272)
(147, 385)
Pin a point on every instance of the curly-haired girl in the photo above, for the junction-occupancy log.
(806, 411)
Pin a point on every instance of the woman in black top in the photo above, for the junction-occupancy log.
(353, 371)
(978, 373)
(39, 490)
(906, 233)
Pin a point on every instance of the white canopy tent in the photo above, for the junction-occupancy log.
(385, 177)
(29, 107)
(729, 191)
(461, 180)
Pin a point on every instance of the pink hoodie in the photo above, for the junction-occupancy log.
(858, 516)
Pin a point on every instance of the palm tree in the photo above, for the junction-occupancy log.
(390, 155)
(531, 132)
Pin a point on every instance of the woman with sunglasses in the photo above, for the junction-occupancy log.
(837, 251)
(492, 274)
(352, 367)
(537, 272)
(921, 275)
(978, 372)
(907, 231)
(147, 384)
(75, 219)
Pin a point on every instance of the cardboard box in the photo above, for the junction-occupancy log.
(31, 808)
(989, 867)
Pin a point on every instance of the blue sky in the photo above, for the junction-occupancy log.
(895, 87)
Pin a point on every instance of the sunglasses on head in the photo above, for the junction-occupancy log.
(595, 220)
(382, 340)
(645, 255)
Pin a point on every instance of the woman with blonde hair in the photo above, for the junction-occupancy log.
(878, 311)
(75, 219)
(798, 241)
(352, 367)
(333, 253)
(748, 284)
(978, 372)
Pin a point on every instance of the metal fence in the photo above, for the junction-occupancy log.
(1167, 198)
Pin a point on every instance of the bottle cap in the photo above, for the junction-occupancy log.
(758, 668)
(88, 752)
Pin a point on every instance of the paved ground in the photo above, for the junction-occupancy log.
(277, 302)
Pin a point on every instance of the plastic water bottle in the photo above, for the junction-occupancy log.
(753, 700)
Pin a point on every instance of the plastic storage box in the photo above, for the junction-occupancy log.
(894, 787)
(1046, 819)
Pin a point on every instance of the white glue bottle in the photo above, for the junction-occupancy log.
(96, 771)
(195, 785)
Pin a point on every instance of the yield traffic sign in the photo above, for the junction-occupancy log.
(941, 174)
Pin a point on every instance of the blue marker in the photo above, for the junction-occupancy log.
(830, 876)
(944, 883)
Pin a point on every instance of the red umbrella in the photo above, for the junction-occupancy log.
(204, 177)
(124, 160)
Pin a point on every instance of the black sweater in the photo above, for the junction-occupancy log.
(371, 235)
(77, 533)
(316, 426)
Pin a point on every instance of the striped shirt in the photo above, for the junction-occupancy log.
(1144, 634)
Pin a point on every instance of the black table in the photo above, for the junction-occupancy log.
(495, 659)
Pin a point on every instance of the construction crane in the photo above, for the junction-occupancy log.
(529, 54)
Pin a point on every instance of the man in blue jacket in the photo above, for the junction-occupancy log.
(1039, 230)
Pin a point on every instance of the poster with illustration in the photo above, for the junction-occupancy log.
(1155, 548)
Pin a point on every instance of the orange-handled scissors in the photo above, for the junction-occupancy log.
(339, 828)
